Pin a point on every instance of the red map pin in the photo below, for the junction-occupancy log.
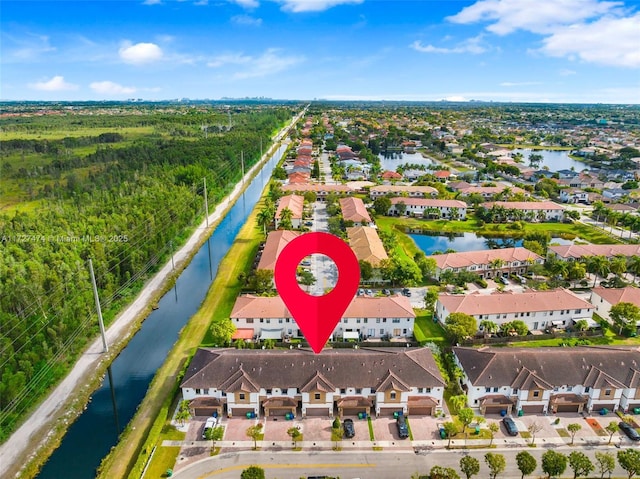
(317, 316)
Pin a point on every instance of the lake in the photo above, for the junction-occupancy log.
(554, 159)
(391, 161)
(469, 242)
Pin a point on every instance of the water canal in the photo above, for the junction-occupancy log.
(113, 404)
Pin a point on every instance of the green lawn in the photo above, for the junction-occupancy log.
(426, 331)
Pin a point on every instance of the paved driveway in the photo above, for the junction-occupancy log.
(316, 428)
(276, 428)
(236, 428)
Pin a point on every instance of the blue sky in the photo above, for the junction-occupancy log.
(498, 50)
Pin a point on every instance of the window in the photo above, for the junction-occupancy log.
(280, 321)
(392, 395)
(395, 320)
(569, 388)
(377, 320)
(358, 390)
(487, 390)
(607, 392)
(249, 320)
(198, 391)
(427, 390)
(384, 320)
(420, 390)
(587, 389)
(316, 396)
(268, 391)
(262, 320)
(358, 321)
(536, 394)
(366, 320)
(268, 321)
(495, 390)
(343, 391)
(241, 396)
(515, 390)
(578, 311)
(381, 331)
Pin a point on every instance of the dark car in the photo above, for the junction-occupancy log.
(406, 292)
(510, 426)
(349, 430)
(629, 430)
(403, 429)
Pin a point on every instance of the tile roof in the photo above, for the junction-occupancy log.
(294, 202)
(608, 250)
(366, 244)
(387, 189)
(483, 257)
(276, 241)
(353, 209)
(619, 295)
(232, 369)
(509, 302)
(429, 203)
(524, 205)
(391, 175)
(551, 367)
(317, 188)
(250, 306)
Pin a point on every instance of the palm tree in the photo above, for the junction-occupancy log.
(497, 263)
(576, 271)
(599, 210)
(598, 266)
(264, 219)
(286, 216)
(619, 265)
(634, 266)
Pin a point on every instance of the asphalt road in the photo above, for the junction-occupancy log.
(369, 465)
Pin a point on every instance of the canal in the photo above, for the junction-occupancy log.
(113, 404)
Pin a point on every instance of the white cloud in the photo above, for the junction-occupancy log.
(201, 3)
(297, 6)
(455, 98)
(538, 16)
(247, 3)
(111, 88)
(565, 72)
(269, 63)
(56, 83)
(471, 45)
(246, 20)
(152, 2)
(140, 53)
(607, 41)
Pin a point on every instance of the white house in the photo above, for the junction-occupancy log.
(531, 210)
(539, 310)
(295, 204)
(488, 263)
(402, 190)
(423, 207)
(604, 298)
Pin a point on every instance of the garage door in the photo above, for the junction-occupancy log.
(352, 411)
(387, 411)
(205, 411)
(598, 407)
(495, 409)
(420, 411)
(533, 409)
(274, 411)
(241, 411)
(568, 408)
(317, 412)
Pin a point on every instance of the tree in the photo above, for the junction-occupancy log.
(489, 326)
(221, 331)
(458, 402)
(306, 278)
(430, 298)
(573, 428)
(493, 429)
(294, 433)
(553, 463)
(264, 218)
(580, 463)
(461, 326)
(625, 316)
(439, 472)
(255, 433)
(526, 463)
(576, 271)
(253, 472)
(286, 217)
(214, 434)
(401, 208)
(606, 462)
(381, 205)
(450, 430)
(183, 414)
(366, 270)
(598, 266)
(261, 280)
(619, 265)
(310, 196)
(496, 463)
(534, 428)
(629, 460)
(611, 428)
(469, 466)
(465, 415)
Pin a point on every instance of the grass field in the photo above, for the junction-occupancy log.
(131, 132)
(426, 331)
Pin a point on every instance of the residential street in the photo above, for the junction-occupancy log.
(370, 465)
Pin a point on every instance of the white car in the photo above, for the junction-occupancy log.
(209, 424)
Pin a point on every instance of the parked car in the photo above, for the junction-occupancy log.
(386, 292)
(349, 429)
(210, 423)
(403, 429)
(406, 292)
(503, 280)
(309, 223)
(629, 430)
(510, 426)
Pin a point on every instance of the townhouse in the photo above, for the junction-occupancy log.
(487, 192)
(604, 298)
(353, 210)
(574, 195)
(365, 318)
(295, 204)
(575, 251)
(488, 263)
(550, 380)
(402, 190)
(528, 210)
(428, 208)
(343, 381)
(276, 241)
(322, 191)
(539, 310)
(367, 245)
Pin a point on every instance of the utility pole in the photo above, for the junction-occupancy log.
(173, 266)
(206, 202)
(105, 347)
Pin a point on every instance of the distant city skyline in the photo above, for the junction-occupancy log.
(551, 51)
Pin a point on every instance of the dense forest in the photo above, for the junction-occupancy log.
(123, 198)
